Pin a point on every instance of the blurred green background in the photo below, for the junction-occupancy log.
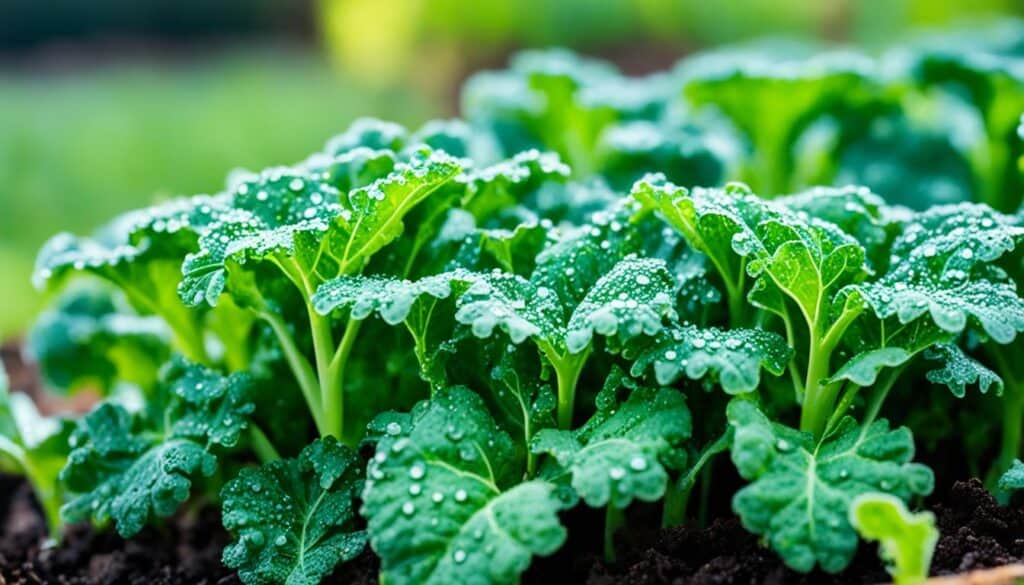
(109, 104)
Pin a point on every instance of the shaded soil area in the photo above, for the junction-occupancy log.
(976, 533)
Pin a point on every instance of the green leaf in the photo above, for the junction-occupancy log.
(294, 520)
(38, 447)
(392, 299)
(308, 228)
(370, 133)
(773, 100)
(629, 150)
(1013, 479)
(445, 501)
(133, 468)
(631, 300)
(141, 252)
(89, 340)
(626, 448)
(906, 540)
(863, 368)
(801, 492)
(942, 266)
(958, 370)
(994, 85)
(732, 358)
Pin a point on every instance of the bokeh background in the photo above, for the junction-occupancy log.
(107, 105)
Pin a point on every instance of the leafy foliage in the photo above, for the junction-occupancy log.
(576, 227)
(294, 519)
(444, 500)
(132, 467)
(802, 490)
(37, 446)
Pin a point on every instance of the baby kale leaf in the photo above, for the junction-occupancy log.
(444, 500)
(134, 467)
(307, 228)
(624, 451)
(294, 519)
(802, 490)
(906, 540)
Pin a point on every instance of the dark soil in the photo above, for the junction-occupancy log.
(976, 533)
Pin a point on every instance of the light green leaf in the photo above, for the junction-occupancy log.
(906, 540)
(308, 228)
(294, 520)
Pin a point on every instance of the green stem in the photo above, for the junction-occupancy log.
(49, 498)
(1013, 415)
(301, 369)
(334, 387)
(882, 389)
(567, 373)
(261, 445)
(844, 405)
(818, 398)
(614, 519)
(678, 494)
(1013, 420)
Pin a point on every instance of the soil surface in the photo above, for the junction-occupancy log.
(976, 533)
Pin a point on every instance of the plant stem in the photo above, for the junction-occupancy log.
(614, 519)
(1013, 415)
(301, 369)
(49, 498)
(567, 373)
(678, 494)
(261, 445)
(1009, 444)
(334, 380)
(818, 399)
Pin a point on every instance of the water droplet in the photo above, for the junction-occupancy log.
(393, 428)
(638, 463)
(417, 471)
(459, 556)
(408, 508)
(616, 473)
(461, 495)
(415, 489)
(281, 540)
(296, 184)
(437, 497)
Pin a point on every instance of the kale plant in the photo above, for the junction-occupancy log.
(434, 343)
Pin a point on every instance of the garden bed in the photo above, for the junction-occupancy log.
(977, 533)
